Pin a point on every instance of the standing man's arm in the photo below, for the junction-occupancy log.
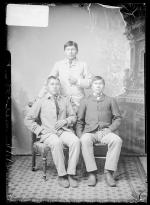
(71, 115)
(85, 82)
(116, 121)
(81, 118)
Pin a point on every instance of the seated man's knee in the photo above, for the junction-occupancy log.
(55, 142)
(86, 138)
(75, 140)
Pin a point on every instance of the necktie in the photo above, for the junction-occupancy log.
(57, 106)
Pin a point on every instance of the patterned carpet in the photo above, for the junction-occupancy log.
(24, 185)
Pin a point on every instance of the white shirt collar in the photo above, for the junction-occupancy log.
(48, 95)
(74, 61)
(99, 95)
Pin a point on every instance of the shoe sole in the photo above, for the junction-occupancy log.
(74, 186)
(64, 186)
(113, 185)
(91, 184)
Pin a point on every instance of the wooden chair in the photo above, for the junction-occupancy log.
(42, 150)
(100, 150)
(38, 148)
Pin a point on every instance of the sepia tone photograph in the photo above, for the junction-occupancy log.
(77, 84)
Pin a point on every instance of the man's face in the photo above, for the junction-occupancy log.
(70, 52)
(53, 86)
(98, 86)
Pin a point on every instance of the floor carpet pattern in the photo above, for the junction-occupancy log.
(24, 185)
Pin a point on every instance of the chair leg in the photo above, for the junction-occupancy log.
(33, 160)
(44, 167)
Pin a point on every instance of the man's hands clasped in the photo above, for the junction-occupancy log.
(60, 123)
(57, 129)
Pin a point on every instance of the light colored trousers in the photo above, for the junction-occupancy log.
(56, 143)
(114, 143)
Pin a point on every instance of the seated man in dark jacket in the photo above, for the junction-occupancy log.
(98, 118)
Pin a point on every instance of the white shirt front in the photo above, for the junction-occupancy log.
(63, 70)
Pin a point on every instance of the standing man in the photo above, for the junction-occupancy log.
(57, 116)
(98, 118)
(73, 74)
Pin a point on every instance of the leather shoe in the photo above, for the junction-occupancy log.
(63, 181)
(72, 181)
(109, 179)
(92, 179)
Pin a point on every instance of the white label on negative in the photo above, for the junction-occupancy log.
(27, 15)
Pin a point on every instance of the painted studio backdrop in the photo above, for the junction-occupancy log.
(103, 45)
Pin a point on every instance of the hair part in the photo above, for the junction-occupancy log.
(95, 78)
(71, 43)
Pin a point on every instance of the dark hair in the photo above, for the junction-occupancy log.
(52, 77)
(98, 78)
(71, 43)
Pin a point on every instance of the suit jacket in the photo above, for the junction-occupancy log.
(45, 110)
(93, 114)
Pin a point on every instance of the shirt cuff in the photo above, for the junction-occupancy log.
(38, 130)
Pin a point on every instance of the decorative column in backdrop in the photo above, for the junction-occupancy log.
(131, 102)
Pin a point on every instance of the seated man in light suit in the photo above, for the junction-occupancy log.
(57, 116)
(97, 119)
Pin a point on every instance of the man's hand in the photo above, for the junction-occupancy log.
(43, 132)
(59, 124)
(59, 132)
(102, 133)
(99, 135)
(72, 80)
